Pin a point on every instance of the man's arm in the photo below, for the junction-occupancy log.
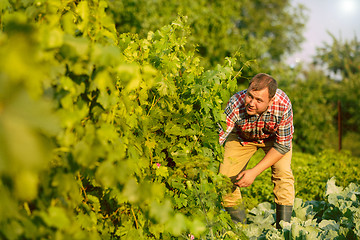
(247, 177)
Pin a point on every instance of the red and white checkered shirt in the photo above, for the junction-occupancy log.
(275, 123)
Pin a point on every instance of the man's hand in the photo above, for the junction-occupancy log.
(246, 178)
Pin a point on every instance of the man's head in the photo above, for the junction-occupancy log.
(260, 93)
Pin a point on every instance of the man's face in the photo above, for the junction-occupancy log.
(257, 102)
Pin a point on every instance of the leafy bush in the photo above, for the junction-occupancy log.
(336, 218)
(94, 142)
(249, 30)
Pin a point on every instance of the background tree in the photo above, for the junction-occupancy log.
(249, 30)
(311, 93)
(342, 58)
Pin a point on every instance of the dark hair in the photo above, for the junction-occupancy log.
(261, 81)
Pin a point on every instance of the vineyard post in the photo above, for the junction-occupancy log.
(339, 124)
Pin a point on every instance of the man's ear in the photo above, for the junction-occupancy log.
(271, 101)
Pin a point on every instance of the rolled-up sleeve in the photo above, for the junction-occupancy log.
(285, 132)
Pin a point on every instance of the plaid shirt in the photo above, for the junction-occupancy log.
(275, 123)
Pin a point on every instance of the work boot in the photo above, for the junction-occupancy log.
(283, 212)
(237, 214)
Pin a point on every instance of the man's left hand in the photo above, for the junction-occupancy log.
(246, 178)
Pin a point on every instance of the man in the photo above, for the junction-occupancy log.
(259, 117)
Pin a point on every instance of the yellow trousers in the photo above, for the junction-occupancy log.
(236, 158)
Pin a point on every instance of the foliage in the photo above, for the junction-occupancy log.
(349, 94)
(351, 142)
(336, 218)
(261, 30)
(314, 111)
(343, 58)
(340, 57)
(94, 143)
